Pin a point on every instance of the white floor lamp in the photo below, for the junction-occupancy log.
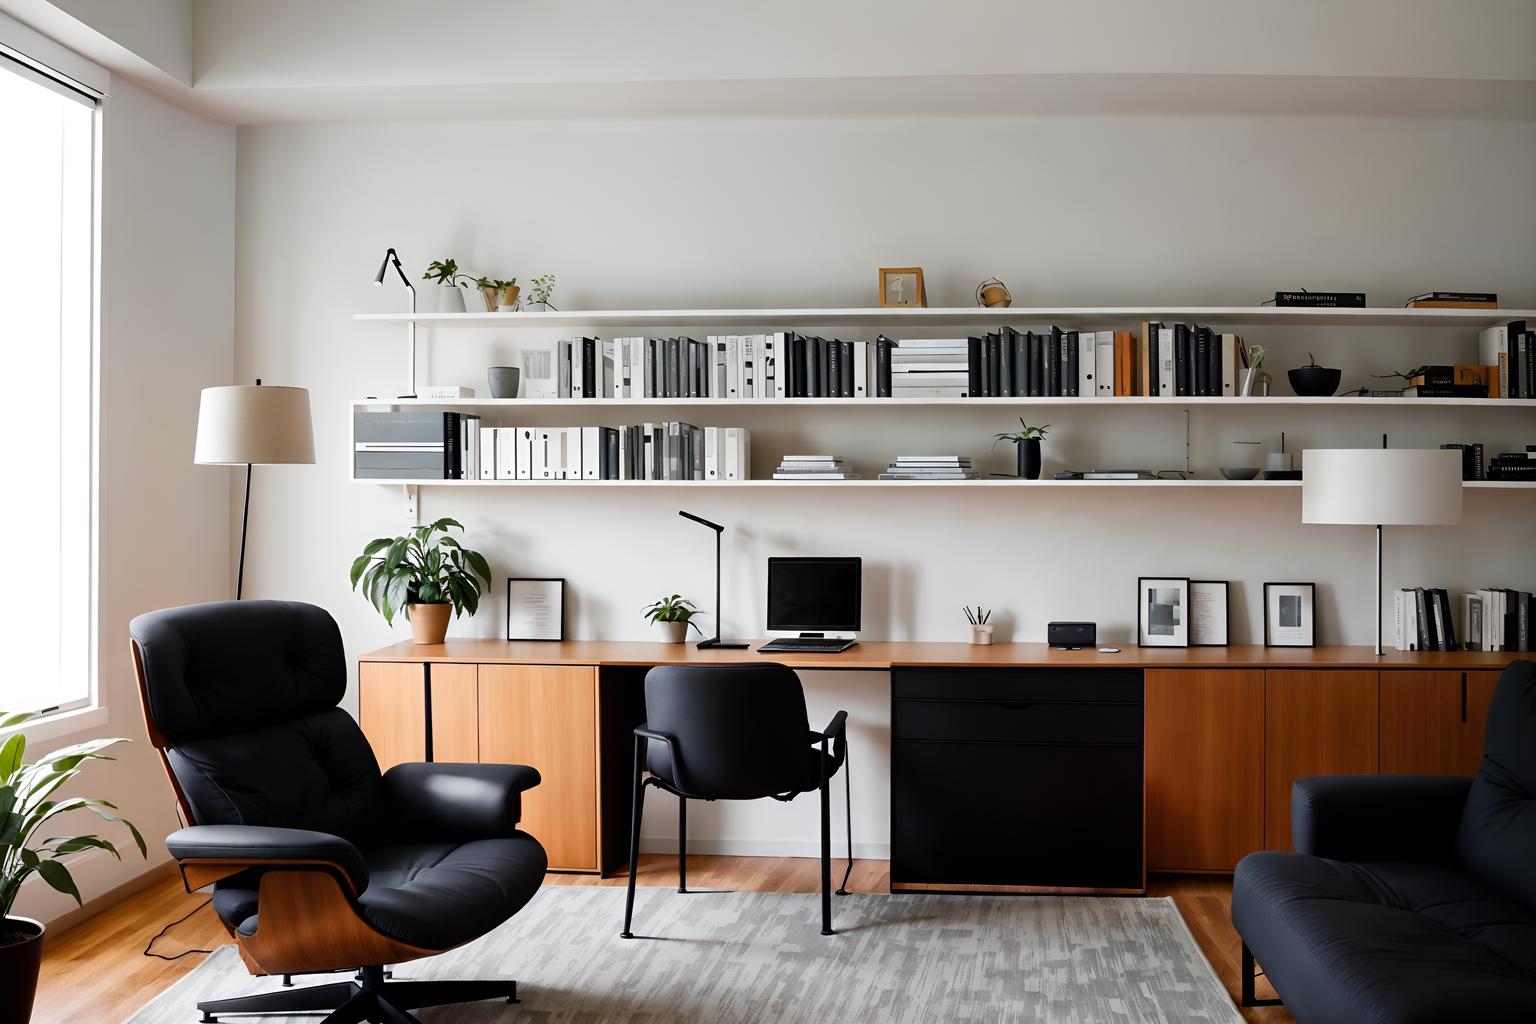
(1381, 487)
(247, 425)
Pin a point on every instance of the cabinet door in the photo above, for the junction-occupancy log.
(455, 713)
(392, 709)
(546, 716)
(1205, 768)
(1316, 722)
(1432, 722)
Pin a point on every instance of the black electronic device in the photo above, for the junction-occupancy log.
(1071, 634)
(814, 596)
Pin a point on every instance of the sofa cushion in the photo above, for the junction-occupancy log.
(1383, 942)
(1497, 839)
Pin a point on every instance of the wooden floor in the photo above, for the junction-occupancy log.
(95, 971)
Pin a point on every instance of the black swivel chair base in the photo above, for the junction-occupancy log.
(1250, 975)
(367, 1000)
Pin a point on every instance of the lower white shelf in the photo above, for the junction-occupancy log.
(998, 484)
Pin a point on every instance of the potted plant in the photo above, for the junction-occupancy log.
(1313, 381)
(491, 292)
(426, 578)
(446, 274)
(1028, 442)
(672, 616)
(1253, 371)
(538, 298)
(25, 807)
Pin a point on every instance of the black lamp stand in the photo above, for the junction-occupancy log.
(714, 641)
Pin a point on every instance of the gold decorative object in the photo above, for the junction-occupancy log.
(993, 294)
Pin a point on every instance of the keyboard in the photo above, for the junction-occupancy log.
(805, 645)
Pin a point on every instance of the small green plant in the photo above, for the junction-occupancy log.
(1028, 433)
(25, 807)
(1256, 357)
(541, 288)
(673, 609)
(397, 572)
(445, 272)
(494, 283)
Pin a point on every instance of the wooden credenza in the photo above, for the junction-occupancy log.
(1226, 730)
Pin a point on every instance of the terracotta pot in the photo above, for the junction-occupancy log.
(672, 632)
(488, 296)
(429, 622)
(509, 295)
(21, 955)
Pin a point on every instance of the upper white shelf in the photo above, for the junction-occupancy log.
(1126, 401)
(1066, 316)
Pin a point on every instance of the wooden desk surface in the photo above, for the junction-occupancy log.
(880, 656)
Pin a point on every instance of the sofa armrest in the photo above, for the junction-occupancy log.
(455, 801)
(1378, 817)
(229, 849)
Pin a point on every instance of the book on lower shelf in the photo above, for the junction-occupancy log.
(1490, 619)
(930, 467)
(813, 467)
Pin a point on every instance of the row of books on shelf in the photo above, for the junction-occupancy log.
(1504, 466)
(1493, 619)
(905, 467)
(455, 446)
(1510, 349)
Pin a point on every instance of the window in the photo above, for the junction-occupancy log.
(47, 304)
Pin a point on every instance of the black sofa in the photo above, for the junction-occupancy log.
(1410, 899)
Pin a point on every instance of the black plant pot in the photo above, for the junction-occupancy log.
(1029, 459)
(21, 956)
(1314, 381)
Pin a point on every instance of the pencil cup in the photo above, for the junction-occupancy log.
(981, 635)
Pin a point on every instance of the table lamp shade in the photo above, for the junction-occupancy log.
(248, 424)
(1381, 486)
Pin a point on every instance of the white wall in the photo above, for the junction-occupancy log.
(767, 213)
(167, 296)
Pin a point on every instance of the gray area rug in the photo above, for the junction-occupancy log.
(740, 957)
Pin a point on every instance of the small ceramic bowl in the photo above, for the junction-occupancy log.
(1239, 472)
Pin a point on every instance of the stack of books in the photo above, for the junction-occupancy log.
(1514, 465)
(813, 467)
(1491, 619)
(1454, 300)
(930, 467)
(931, 368)
(1510, 348)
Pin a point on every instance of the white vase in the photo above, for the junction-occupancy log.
(671, 632)
(450, 298)
(1250, 381)
(535, 307)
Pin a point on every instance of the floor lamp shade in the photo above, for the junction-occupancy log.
(1381, 486)
(254, 425)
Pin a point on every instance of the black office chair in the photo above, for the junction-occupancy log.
(318, 862)
(734, 732)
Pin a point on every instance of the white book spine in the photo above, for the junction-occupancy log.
(861, 369)
(1397, 621)
(749, 366)
(577, 379)
(744, 454)
(712, 453)
(506, 453)
(770, 358)
(487, 453)
(732, 366)
(1229, 361)
(525, 439)
(538, 464)
(591, 453)
(732, 454)
(781, 364)
(1104, 365)
(562, 369)
(1087, 364)
(1493, 350)
(1165, 384)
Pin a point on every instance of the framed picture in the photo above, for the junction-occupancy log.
(902, 286)
(1288, 615)
(1208, 603)
(536, 609)
(1162, 611)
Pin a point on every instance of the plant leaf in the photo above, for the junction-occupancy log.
(10, 756)
(481, 567)
(57, 875)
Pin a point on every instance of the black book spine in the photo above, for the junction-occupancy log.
(1154, 380)
(589, 357)
(1319, 298)
(796, 384)
(1426, 627)
(883, 366)
(825, 370)
(835, 369)
(973, 366)
(1053, 364)
(1202, 361)
(1446, 621)
(1479, 462)
(611, 446)
(847, 369)
(1005, 344)
(1069, 355)
(1036, 364)
(1529, 362)
(994, 364)
(1020, 365)
(1181, 381)
(1523, 619)
(451, 456)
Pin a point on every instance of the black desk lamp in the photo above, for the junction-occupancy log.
(715, 640)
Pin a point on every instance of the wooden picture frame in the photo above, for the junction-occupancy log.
(1290, 615)
(535, 608)
(1162, 611)
(907, 284)
(1210, 603)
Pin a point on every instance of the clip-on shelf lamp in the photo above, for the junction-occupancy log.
(391, 259)
(714, 641)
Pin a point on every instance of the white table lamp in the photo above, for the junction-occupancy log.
(1381, 487)
(248, 425)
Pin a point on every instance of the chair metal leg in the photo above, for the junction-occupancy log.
(416, 995)
(1250, 974)
(842, 890)
(682, 843)
(634, 835)
(288, 1000)
(360, 1009)
(826, 845)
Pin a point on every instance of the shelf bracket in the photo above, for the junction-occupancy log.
(412, 504)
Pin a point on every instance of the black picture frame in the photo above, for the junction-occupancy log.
(1226, 613)
(1306, 620)
(559, 616)
(1143, 623)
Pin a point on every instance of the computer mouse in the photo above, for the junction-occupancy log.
(1109, 650)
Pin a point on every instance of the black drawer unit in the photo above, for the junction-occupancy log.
(1017, 779)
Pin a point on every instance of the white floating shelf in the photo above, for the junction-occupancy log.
(963, 316)
(999, 484)
(1133, 401)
